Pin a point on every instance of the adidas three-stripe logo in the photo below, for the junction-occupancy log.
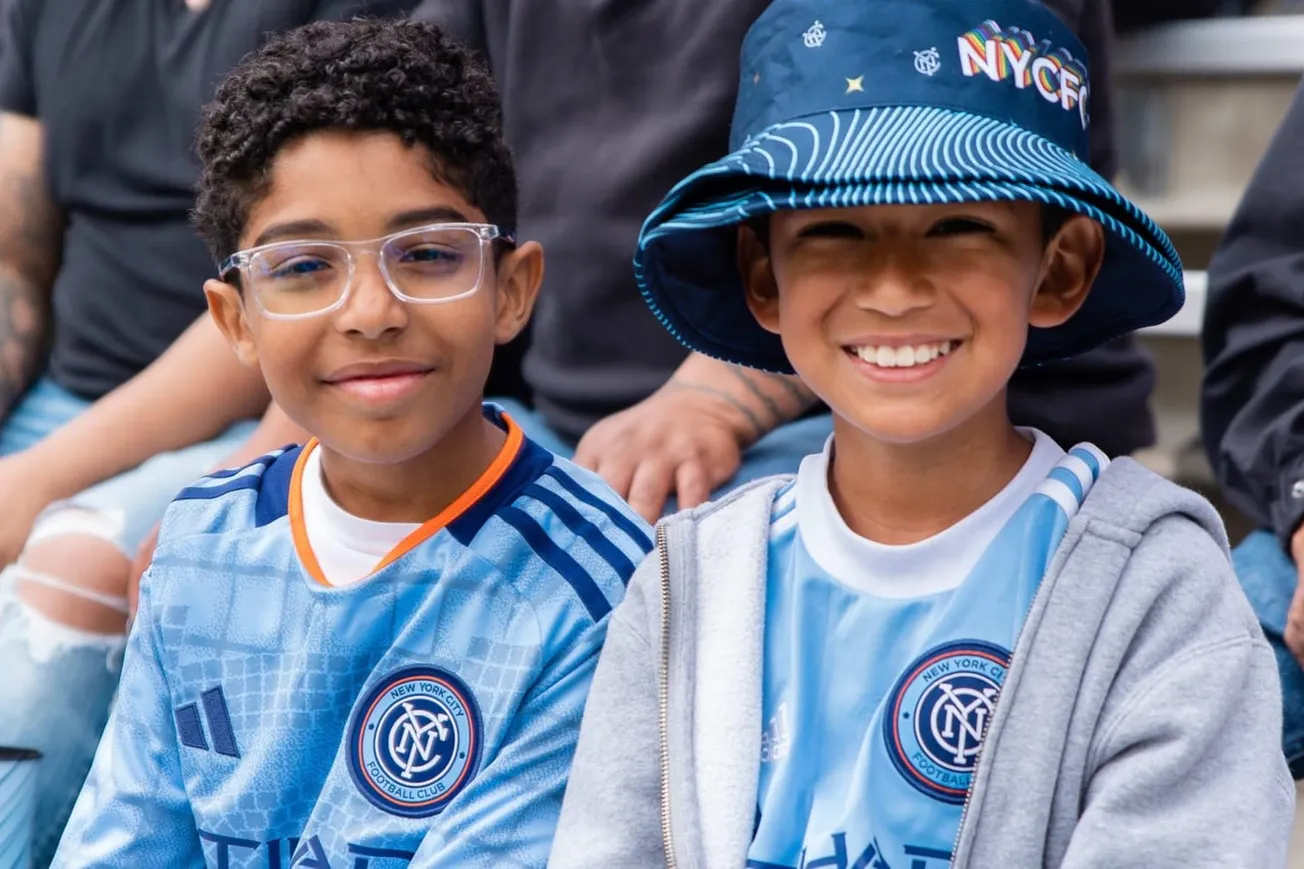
(191, 730)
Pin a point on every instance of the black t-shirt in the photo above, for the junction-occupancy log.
(607, 104)
(118, 86)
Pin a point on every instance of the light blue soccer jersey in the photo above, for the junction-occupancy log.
(875, 706)
(424, 716)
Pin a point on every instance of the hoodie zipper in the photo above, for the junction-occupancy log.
(664, 697)
(968, 794)
(982, 742)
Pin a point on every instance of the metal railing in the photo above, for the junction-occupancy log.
(1254, 45)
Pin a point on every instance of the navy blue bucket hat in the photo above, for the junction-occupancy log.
(891, 102)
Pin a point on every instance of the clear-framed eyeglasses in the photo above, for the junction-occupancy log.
(427, 265)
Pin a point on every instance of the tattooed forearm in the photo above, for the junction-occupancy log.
(755, 403)
(764, 401)
(30, 248)
(802, 397)
(22, 327)
(771, 406)
(758, 428)
(783, 397)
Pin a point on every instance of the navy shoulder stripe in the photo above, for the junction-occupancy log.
(207, 493)
(619, 519)
(238, 479)
(274, 496)
(272, 485)
(529, 464)
(537, 539)
(262, 461)
(583, 529)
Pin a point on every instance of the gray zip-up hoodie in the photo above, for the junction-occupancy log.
(1138, 725)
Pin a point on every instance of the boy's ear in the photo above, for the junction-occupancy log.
(227, 310)
(1072, 260)
(759, 283)
(520, 274)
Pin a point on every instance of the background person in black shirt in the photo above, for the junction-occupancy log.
(604, 111)
(99, 272)
(605, 107)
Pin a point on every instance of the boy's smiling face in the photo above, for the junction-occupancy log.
(378, 380)
(908, 321)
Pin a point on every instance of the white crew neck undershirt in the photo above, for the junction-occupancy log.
(347, 548)
(937, 564)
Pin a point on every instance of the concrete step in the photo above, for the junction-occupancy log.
(1199, 102)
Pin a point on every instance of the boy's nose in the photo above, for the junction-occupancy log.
(372, 309)
(893, 283)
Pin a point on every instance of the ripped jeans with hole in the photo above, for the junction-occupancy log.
(73, 676)
(57, 683)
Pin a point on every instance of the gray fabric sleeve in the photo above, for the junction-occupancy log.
(611, 815)
(1186, 763)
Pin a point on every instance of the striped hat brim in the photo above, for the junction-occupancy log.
(686, 259)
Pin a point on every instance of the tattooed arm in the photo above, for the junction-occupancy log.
(31, 233)
(687, 438)
(762, 401)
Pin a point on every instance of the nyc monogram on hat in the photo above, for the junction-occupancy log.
(884, 102)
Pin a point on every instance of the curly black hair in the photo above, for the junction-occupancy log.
(405, 77)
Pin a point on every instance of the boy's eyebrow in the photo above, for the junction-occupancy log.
(434, 214)
(312, 228)
(291, 230)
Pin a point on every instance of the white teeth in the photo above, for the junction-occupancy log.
(903, 357)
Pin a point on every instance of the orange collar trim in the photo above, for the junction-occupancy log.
(464, 502)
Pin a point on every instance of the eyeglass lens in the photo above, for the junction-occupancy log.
(298, 278)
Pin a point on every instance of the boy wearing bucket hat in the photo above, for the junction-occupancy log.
(946, 641)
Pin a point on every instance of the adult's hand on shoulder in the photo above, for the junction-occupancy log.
(683, 440)
(23, 495)
(688, 437)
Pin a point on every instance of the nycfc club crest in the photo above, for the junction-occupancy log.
(938, 714)
(928, 62)
(415, 741)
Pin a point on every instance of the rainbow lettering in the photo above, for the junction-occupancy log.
(980, 52)
(1013, 53)
(1019, 48)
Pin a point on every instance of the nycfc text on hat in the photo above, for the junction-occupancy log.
(1015, 55)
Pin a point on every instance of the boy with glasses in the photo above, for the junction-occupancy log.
(374, 648)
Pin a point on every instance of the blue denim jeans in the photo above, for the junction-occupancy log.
(779, 452)
(59, 682)
(1269, 577)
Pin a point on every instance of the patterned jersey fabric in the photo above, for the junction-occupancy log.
(876, 706)
(424, 716)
